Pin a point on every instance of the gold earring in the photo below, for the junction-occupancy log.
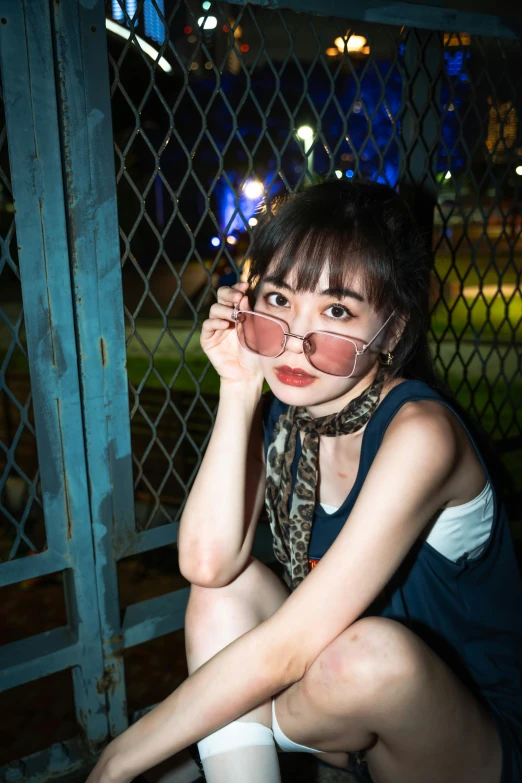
(388, 360)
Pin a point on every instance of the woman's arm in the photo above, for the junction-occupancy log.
(246, 672)
(402, 491)
(220, 517)
(219, 520)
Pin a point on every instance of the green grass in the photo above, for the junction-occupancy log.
(165, 369)
(488, 404)
(489, 319)
(159, 371)
(488, 315)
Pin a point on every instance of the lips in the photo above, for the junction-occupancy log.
(286, 370)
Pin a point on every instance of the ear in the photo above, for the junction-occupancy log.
(398, 326)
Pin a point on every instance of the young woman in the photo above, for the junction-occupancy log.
(394, 643)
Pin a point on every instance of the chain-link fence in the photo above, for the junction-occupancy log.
(243, 103)
(23, 530)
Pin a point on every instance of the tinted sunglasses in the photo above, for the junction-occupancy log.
(333, 354)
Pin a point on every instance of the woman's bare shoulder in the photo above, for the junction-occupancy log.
(413, 409)
(442, 426)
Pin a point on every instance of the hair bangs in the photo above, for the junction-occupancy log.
(302, 252)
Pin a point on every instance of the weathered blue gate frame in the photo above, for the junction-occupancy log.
(27, 63)
(56, 90)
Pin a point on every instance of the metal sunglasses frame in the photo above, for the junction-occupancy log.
(283, 324)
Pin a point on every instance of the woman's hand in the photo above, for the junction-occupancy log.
(219, 340)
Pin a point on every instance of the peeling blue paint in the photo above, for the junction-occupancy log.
(27, 61)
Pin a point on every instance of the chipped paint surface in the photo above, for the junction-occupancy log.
(42, 226)
(98, 309)
(103, 351)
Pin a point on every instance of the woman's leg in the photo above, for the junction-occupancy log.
(215, 617)
(379, 687)
(218, 615)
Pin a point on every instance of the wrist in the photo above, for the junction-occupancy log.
(247, 391)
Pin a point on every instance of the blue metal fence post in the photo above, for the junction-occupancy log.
(83, 83)
(29, 92)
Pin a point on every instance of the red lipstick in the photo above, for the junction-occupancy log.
(293, 376)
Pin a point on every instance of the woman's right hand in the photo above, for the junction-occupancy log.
(219, 340)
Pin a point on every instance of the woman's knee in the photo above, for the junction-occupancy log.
(256, 588)
(370, 657)
(217, 616)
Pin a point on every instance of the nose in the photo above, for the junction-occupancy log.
(294, 345)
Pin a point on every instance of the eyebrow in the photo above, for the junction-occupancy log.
(339, 293)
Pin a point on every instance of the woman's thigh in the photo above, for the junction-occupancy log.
(379, 687)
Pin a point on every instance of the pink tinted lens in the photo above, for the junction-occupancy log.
(259, 334)
(330, 353)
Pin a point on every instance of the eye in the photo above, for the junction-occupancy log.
(275, 299)
(339, 312)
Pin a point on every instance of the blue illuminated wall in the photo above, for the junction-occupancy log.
(154, 27)
(117, 12)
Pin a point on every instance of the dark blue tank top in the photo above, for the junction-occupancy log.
(468, 612)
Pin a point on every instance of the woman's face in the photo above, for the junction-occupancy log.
(290, 376)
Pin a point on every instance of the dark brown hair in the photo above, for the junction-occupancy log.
(355, 228)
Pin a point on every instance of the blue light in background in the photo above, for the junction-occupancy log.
(153, 25)
(226, 207)
(234, 216)
(215, 241)
(349, 173)
(454, 62)
(117, 11)
(390, 174)
(131, 6)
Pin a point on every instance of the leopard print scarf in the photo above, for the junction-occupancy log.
(291, 518)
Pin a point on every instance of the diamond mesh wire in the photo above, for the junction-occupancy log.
(477, 230)
(204, 133)
(22, 529)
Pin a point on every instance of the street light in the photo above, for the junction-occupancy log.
(207, 22)
(353, 43)
(253, 189)
(306, 134)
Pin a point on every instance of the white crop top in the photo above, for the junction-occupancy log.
(459, 529)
